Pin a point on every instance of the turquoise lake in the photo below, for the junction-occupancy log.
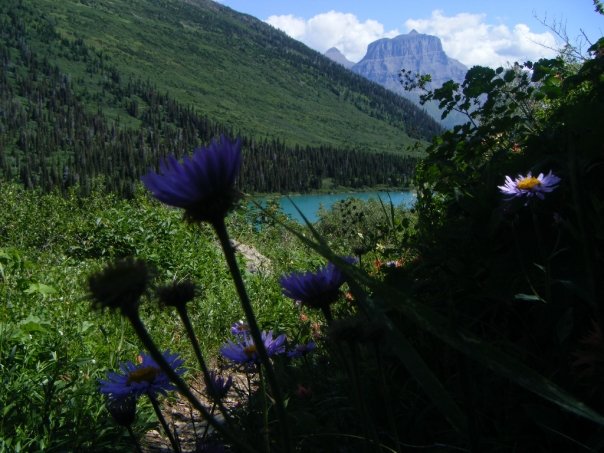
(310, 204)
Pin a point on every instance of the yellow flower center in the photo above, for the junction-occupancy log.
(250, 350)
(528, 183)
(147, 373)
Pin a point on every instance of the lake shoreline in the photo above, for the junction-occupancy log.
(333, 191)
(311, 204)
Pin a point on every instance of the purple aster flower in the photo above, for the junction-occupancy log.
(316, 289)
(145, 378)
(246, 352)
(218, 387)
(240, 328)
(529, 186)
(203, 184)
(302, 349)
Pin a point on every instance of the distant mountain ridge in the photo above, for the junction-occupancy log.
(335, 55)
(416, 52)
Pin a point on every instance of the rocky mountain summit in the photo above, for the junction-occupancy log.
(414, 51)
(417, 52)
(337, 56)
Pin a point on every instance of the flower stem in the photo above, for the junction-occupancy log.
(164, 424)
(137, 446)
(183, 388)
(544, 257)
(207, 427)
(229, 253)
(184, 316)
(265, 433)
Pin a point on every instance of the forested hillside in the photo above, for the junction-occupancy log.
(74, 107)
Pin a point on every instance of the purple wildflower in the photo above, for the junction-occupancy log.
(202, 184)
(218, 387)
(529, 186)
(315, 289)
(146, 378)
(246, 351)
(300, 350)
(240, 328)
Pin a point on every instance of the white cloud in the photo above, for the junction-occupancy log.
(333, 29)
(466, 37)
(469, 39)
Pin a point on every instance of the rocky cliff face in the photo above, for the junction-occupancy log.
(337, 56)
(415, 52)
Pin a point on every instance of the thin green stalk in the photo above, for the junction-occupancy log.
(137, 445)
(183, 388)
(265, 433)
(184, 316)
(207, 427)
(229, 254)
(522, 266)
(544, 257)
(164, 424)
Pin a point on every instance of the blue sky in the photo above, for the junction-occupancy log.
(473, 31)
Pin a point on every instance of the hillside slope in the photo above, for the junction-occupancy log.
(240, 71)
(79, 100)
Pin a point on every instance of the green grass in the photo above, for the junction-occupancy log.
(54, 348)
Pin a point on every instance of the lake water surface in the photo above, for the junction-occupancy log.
(310, 204)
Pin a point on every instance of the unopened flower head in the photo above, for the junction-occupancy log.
(177, 294)
(246, 352)
(300, 350)
(218, 387)
(203, 184)
(529, 186)
(120, 285)
(316, 289)
(144, 378)
(122, 409)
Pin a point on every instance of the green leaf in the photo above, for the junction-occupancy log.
(40, 288)
(33, 324)
(528, 297)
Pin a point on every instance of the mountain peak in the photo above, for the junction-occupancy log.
(335, 55)
(415, 52)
